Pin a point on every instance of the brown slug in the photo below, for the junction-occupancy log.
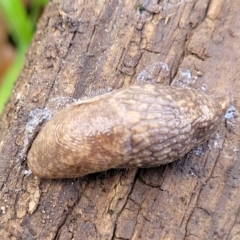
(140, 126)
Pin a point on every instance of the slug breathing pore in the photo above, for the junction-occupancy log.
(140, 126)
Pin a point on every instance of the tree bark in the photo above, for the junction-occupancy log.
(84, 48)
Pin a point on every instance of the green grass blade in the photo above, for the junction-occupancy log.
(10, 77)
(21, 27)
(17, 21)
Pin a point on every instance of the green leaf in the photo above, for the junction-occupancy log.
(17, 21)
(10, 77)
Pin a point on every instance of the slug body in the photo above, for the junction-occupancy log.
(139, 126)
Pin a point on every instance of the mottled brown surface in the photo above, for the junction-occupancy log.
(83, 47)
(144, 125)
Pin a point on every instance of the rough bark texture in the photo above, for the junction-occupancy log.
(83, 48)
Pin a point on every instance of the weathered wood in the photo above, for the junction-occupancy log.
(85, 48)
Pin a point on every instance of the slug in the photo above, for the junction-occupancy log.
(140, 126)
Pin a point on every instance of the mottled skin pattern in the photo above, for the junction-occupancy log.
(139, 126)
